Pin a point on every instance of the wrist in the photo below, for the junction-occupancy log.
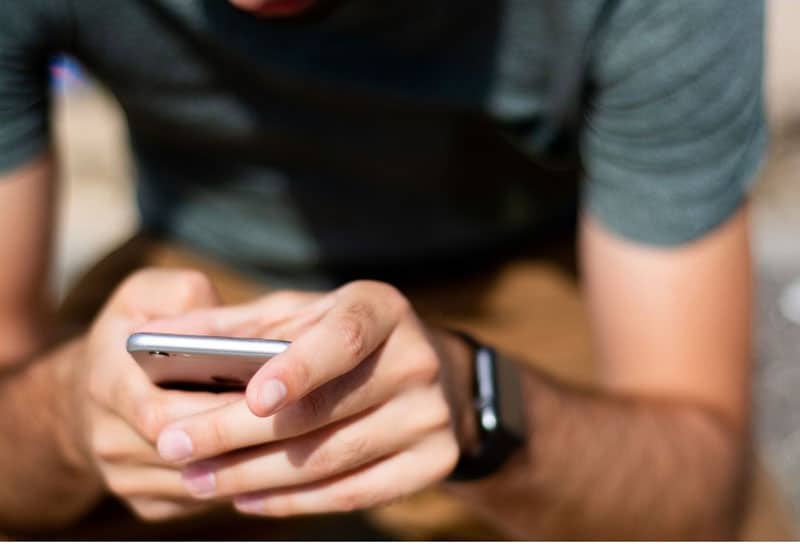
(498, 408)
(458, 377)
(68, 393)
(48, 469)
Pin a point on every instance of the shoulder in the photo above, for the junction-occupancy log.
(675, 129)
(674, 36)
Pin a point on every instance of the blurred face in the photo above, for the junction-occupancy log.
(275, 8)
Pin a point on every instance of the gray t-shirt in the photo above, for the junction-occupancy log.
(410, 132)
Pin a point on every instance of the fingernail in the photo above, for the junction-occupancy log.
(199, 480)
(174, 445)
(271, 395)
(249, 503)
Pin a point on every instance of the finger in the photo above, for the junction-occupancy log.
(113, 442)
(148, 409)
(159, 292)
(334, 450)
(127, 481)
(381, 482)
(153, 510)
(146, 294)
(254, 319)
(404, 360)
(363, 316)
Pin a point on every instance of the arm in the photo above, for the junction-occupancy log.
(660, 448)
(41, 478)
(671, 141)
(350, 416)
(80, 419)
(657, 450)
(26, 218)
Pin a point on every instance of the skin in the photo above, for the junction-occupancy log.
(350, 431)
(667, 424)
(96, 415)
(333, 424)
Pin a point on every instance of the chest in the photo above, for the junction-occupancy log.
(393, 86)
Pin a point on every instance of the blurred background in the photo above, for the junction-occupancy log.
(97, 213)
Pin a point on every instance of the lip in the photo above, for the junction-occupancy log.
(283, 8)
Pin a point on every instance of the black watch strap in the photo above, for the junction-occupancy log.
(500, 431)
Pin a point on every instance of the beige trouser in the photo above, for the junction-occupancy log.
(530, 305)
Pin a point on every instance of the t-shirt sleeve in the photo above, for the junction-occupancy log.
(675, 130)
(27, 40)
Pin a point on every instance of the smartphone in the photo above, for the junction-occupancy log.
(199, 362)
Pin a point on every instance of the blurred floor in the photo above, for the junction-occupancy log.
(97, 212)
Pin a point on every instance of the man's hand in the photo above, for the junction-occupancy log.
(120, 410)
(357, 412)
(370, 404)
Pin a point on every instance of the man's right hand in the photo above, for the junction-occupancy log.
(119, 412)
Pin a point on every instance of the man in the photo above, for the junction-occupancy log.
(313, 143)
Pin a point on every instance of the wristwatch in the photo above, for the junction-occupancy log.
(499, 413)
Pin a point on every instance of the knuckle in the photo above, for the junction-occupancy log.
(298, 371)
(118, 486)
(283, 297)
(105, 448)
(353, 328)
(351, 500)
(227, 480)
(147, 513)
(96, 387)
(313, 407)
(218, 436)
(341, 456)
(447, 461)
(353, 451)
(321, 462)
(393, 296)
(358, 285)
(385, 292)
(193, 286)
(149, 419)
(129, 285)
(150, 511)
(280, 506)
(187, 286)
(422, 364)
(141, 275)
(438, 414)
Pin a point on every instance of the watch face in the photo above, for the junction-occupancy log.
(510, 399)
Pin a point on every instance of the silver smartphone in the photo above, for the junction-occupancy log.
(198, 362)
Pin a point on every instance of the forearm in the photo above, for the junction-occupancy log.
(45, 479)
(601, 466)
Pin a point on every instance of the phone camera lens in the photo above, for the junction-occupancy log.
(159, 354)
